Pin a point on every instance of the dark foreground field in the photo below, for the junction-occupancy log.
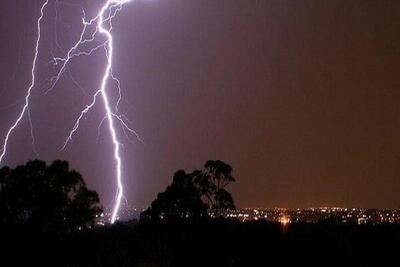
(211, 243)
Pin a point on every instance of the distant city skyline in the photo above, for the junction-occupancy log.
(286, 216)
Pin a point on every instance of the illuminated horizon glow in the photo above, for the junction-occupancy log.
(32, 85)
(110, 116)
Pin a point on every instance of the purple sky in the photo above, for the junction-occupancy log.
(300, 97)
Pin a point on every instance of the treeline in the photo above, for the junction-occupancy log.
(48, 218)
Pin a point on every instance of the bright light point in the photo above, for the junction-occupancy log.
(284, 221)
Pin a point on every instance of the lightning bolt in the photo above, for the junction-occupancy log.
(109, 115)
(103, 26)
(25, 108)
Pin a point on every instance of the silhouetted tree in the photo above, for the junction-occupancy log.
(181, 200)
(214, 178)
(46, 198)
(194, 195)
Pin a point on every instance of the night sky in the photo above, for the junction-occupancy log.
(301, 98)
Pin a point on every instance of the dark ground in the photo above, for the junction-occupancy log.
(211, 243)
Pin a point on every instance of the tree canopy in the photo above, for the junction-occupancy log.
(216, 176)
(180, 200)
(46, 198)
(194, 195)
